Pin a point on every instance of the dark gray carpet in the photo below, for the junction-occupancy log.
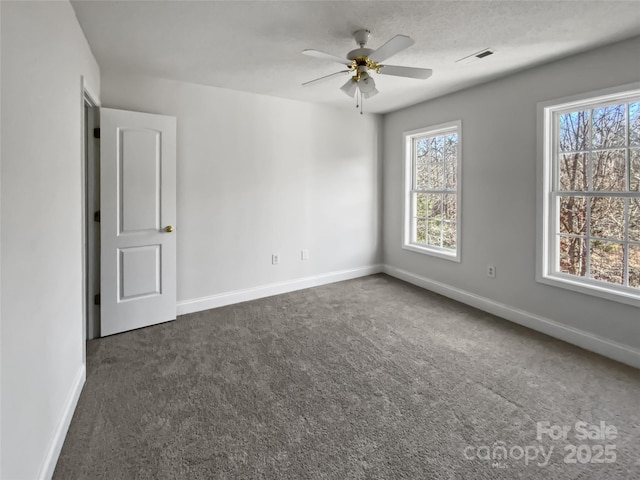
(366, 379)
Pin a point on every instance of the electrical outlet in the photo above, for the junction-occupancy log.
(304, 255)
(491, 271)
(275, 259)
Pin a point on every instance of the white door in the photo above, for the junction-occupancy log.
(138, 220)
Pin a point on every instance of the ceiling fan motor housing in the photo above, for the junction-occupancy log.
(359, 52)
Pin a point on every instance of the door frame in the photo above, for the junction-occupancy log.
(89, 153)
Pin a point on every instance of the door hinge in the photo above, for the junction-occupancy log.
(96, 299)
(96, 216)
(96, 132)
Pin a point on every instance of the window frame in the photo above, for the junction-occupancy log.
(547, 194)
(408, 178)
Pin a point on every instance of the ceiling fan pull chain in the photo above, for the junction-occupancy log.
(361, 102)
(357, 98)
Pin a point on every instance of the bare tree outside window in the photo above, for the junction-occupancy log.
(597, 187)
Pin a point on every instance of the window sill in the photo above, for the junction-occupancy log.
(594, 289)
(433, 251)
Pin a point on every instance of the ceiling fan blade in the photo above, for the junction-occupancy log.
(393, 46)
(325, 77)
(326, 56)
(409, 72)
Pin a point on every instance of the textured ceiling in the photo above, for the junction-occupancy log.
(255, 46)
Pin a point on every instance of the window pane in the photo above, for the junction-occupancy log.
(439, 143)
(420, 204)
(573, 172)
(431, 150)
(434, 206)
(449, 207)
(634, 219)
(573, 215)
(609, 126)
(607, 217)
(606, 261)
(573, 256)
(421, 172)
(574, 131)
(608, 170)
(451, 147)
(435, 174)
(434, 227)
(449, 235)
(450, 176)
(634, 124)
(420, 230)
(421, 146)
(634, 174)
(634, 266)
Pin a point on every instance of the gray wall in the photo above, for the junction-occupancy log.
(499, 189)
(44, 54)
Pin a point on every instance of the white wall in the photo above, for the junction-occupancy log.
(259, 175)
(499, 190)
(44, 54)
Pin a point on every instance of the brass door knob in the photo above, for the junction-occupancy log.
(168, 229)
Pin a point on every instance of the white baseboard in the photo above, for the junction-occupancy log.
(53, 452)
(244, 295)
(589, 341)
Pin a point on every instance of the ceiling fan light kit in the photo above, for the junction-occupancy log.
(362, 60)
(350, 87)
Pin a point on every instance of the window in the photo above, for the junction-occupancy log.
(432, 194)
(591, 194)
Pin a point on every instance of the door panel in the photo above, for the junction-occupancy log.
(137, 196)
(139, 272)
(139, 186)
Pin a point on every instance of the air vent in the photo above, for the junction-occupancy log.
(474, 57)
(486, 53)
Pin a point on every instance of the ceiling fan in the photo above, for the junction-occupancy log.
(361, 60)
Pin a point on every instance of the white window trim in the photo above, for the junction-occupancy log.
(545, 141)
(407, 155)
